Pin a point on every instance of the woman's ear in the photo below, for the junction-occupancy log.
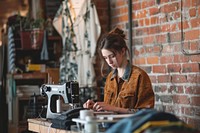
(123, 51)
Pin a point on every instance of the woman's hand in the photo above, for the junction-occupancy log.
(89, 104)
(101, 106)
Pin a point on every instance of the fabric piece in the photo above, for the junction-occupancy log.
(87, 30)
(79, 34)
(44, 53)
(132, 123)
(11, 51)
(166, 126)
(63, 24)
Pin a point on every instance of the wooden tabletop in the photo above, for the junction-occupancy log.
(44, 126)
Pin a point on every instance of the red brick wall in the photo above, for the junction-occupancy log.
(175, 75)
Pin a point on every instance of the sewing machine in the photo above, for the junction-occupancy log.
(68, 91)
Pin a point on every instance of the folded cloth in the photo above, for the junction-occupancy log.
(64, 121)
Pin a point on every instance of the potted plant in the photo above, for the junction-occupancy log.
(31, 32)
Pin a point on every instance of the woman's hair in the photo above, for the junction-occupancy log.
(113, 41)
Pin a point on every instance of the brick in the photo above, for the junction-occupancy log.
(149, 49)
(171, 7)
(191, 35)
(152, 78)
(163, 18)
(157, 49)
(152, 60)
(194, 45)
(190, 67)
(123, 18)
(136, 6)
(141, 22)
(136, 52)
(137, 41)
(123, 10)
(175, 37)
(159, 69)
(193, 122)
(166, 59)
(193, 78)
(169, 108)
(167, 49)
(140, 14)
(187, 4)
(180, 58)
(147, 69)
(154, 20)
(119, 3)
(148, 40)
(194, 58)
(164, 1)
(166, 98)
(185, 25)
(192, 12)
(139, 61)
(176, 89)
(141, 51)
(174, 68)
(139, 31)
(199, 10)
(154, 30)
(195, 3)
(195, 100)
(162, 89)
(188, 110)
(181, 99)
(153, 49)
(146, 21)
(195, 22)
(164, 79)
(161, 38)
(148, 3)
(177, 15)
(153, 11)
(192, 90)
(179, 79)
(177, 48)
(169, 27)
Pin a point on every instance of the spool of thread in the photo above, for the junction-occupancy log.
(90, 125)
(58, 105)
(84, 113)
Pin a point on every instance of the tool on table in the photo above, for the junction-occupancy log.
(68, 91)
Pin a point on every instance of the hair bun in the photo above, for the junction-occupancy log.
(118, 31)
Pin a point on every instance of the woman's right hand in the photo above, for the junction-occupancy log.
(89, 104)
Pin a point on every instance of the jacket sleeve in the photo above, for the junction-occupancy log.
(145, 94)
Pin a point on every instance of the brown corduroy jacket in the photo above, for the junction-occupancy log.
(135, 93)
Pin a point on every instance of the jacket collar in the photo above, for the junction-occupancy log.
(127, 72)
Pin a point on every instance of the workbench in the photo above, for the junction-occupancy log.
(40, 125)
(44, 126)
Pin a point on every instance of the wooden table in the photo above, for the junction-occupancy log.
(43, 126)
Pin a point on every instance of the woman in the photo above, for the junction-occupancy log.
(128, 87)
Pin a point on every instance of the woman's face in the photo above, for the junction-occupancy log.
(113, 60)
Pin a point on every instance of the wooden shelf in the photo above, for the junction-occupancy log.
(34, 75)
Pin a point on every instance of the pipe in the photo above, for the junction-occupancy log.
(130, 28)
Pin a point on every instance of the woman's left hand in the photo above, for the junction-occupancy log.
(101, 106)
